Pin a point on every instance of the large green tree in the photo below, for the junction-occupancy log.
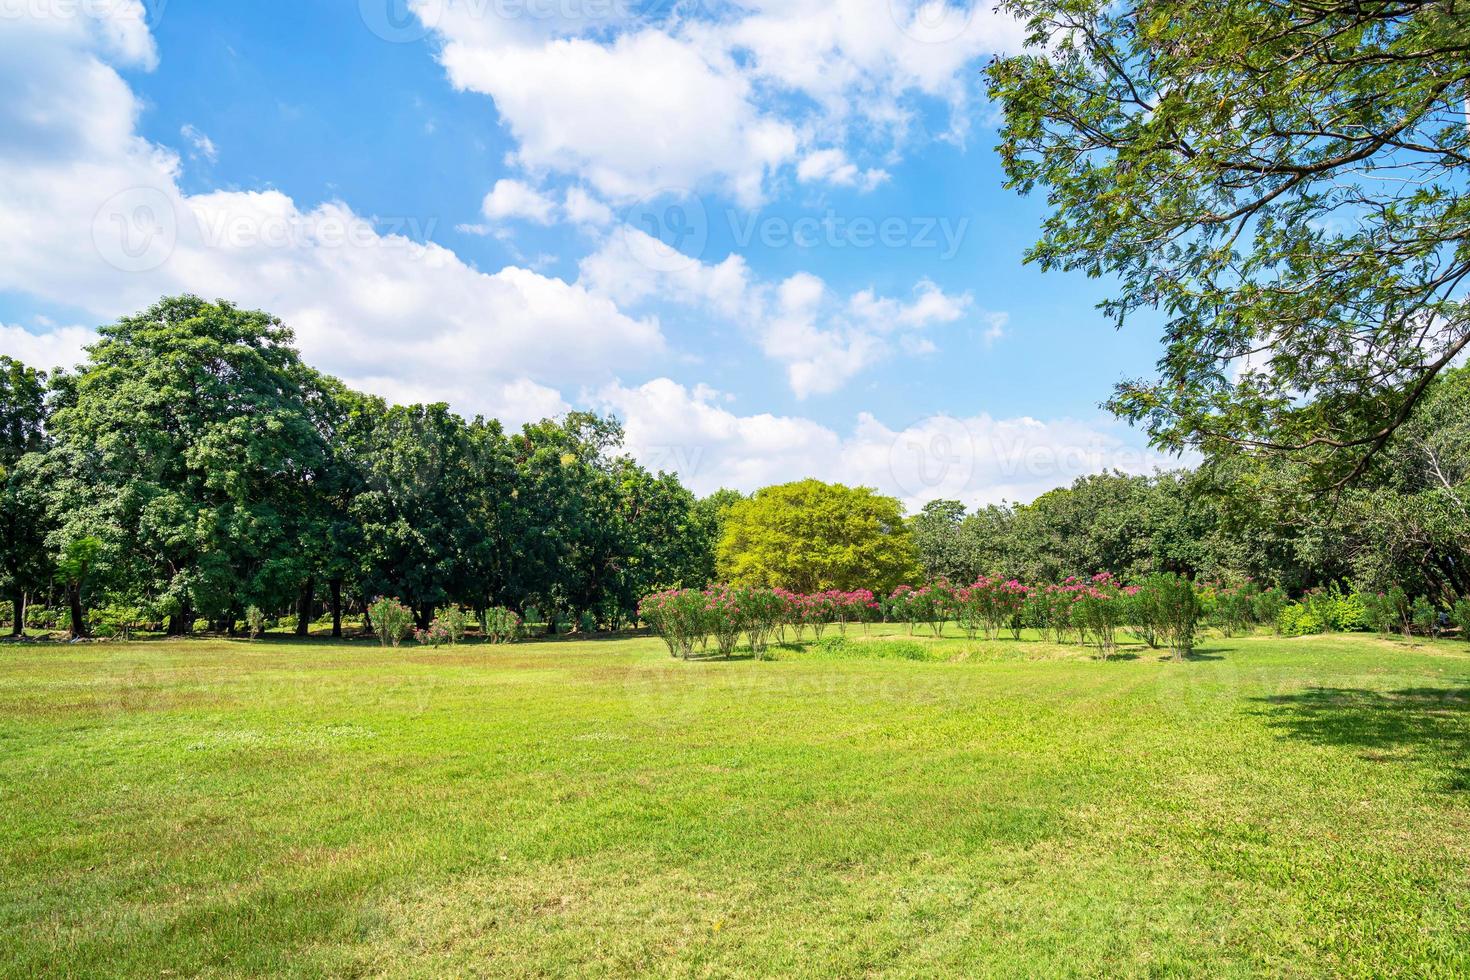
(23, 559)
(182, 446)
(1284, 182)
(812, 536)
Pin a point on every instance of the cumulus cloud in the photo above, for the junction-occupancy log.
(822, 340)
(95, 219)
(832, 166)
(514, 199)
(979, 460)
(46, 349)
(639, 105)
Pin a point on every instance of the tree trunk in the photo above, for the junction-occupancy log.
(19, 629)
(367, 617)
(425, 615)
(78, 615)
(336, 587)
(303, 607)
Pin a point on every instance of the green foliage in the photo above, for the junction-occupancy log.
(1426, 617)
(1460, 616)
(1209, 160)
(679, 616)
(1338, 611)
(254, 622)
(116, 621)
(453, 621)
(1172, 606)
(811, 536)
(587, 622)
(501, 625)
(1297, 619)
(391, 619)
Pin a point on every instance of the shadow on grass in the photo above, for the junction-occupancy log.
(1430, 724)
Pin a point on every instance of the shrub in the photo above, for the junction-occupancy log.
(1098, 610)
(500, 625)
(763, 612)
(533, 617)
(1268, 605)
(1233, 609)
(437, 635)
(1426, 617)
(392, 619)
(254, 622)
(1403, 610)
(116, 621)
(1141, 614)
(724, 618)
(1175, 610)
(1381, 614)
(1460, 616)
(587, 622)
(452, 622)
(1338, 611)
(678, 616)
(1297, 619)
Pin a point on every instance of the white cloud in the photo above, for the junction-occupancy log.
(582, 208)
(699, 102)
(644, 112)
(979, 460)
(203, 145)
(58, 348)
(832, 166)
(95, 219)
(822, 340)
(514, 199)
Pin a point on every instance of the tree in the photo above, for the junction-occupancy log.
(813, 536)
(181, 446)
(1285, 181)
(75, 567)
(22, 432)
(415, 507)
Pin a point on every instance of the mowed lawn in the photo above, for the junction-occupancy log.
(220, 808)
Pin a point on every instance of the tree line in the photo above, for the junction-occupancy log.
(194, 467)
(1405, 522)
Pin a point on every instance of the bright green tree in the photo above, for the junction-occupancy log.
(812, 536)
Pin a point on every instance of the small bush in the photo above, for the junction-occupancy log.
(1460, 616)
(392, 620)
(254, 622)
(1298, 620)
(1338, 611)
(587, 622)
(452, 621)
(1426, 617)
(500, 625)
(1176, 610)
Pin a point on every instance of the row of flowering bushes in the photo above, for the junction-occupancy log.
(394, 622)
(1164, 611)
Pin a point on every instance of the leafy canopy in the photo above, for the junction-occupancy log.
(1284, 181)
(813, 536)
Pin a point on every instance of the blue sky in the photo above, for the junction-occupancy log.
(523, 206)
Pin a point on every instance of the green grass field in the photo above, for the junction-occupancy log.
(224, 808)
